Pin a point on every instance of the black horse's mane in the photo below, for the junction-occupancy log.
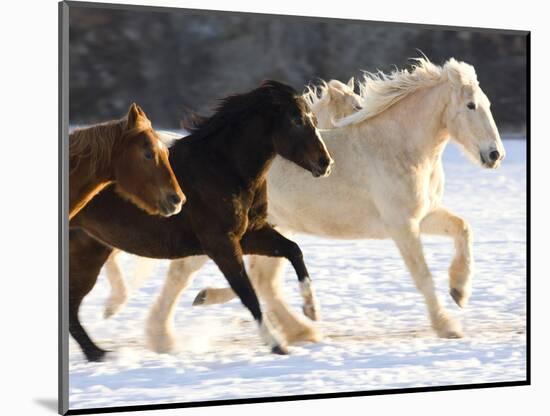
(269, 97)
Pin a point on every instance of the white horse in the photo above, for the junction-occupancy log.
(387, 182)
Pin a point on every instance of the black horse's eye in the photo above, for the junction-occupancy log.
(148, 155)
(471, 106)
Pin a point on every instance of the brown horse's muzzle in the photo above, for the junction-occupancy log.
(171, 204)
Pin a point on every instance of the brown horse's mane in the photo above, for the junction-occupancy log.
(96, 143)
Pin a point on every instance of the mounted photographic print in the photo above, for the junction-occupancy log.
(266, 208)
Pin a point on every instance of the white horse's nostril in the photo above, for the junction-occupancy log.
(494, 155)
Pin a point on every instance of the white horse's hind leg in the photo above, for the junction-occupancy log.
(119, 291)
(407, 239)
(443, 222)
(159, 327)
(265, 274)
(214, 296)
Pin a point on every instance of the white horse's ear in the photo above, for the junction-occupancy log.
(460, 73)
(351, 83)
(335, 88)
(454, 76)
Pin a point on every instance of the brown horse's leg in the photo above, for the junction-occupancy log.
(269, 242)
(85, 260)
(227, 254)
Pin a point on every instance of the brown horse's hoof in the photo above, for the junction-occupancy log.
(96, 356)
(200, 298)
(279, 350)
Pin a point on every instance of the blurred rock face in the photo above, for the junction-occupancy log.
(170, 62)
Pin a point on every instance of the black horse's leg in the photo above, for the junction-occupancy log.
(269, 242)
(227, 255)
(85, 260)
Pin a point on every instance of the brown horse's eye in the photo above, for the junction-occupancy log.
(148, 155)
(471, 106)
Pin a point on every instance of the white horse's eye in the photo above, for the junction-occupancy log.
(471, 106)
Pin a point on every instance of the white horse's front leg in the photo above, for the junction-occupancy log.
(443, 222)
(407, 239)
(265, 274)
(159, 327)
(119, 291)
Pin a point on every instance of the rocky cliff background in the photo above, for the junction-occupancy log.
(172, 61)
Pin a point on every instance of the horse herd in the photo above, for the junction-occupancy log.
(246, 186)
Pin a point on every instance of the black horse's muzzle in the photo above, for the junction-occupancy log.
(323, 167)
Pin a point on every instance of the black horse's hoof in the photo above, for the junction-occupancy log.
(279, 350)
(200, 298)
(96, 356)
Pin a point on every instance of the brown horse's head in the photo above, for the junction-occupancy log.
(141, 168)
(297, 138)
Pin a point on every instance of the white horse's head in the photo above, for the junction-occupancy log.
(468, 116)
(332, 100)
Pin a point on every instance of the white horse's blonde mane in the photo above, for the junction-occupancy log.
(315, 94)
(380, 91)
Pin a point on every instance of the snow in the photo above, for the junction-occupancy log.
(377, 334)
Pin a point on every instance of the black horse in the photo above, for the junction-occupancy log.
(222, 168)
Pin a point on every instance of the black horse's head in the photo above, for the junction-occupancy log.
(295, 135)
(275, 114)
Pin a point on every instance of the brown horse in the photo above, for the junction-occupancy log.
(126, 152)
(222, 167)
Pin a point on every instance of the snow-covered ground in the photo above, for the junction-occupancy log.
(375, 323)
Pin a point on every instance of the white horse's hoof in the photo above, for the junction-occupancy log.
(460, 298)
(460, 287)
(112, 309)
(200, 299)
(161, 345)
(303, 334)
(292, 327)
(161, 342)
(451, 334)
(312, 312)
(446, 327)
(311, 305)
(114, 304)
